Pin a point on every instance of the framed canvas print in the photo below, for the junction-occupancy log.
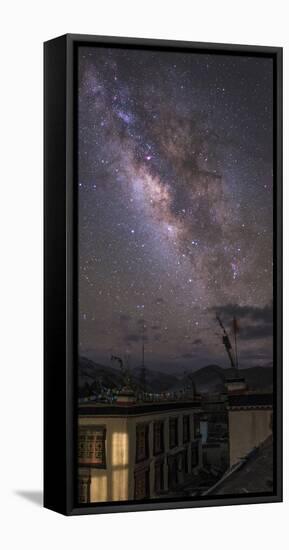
(163, 366)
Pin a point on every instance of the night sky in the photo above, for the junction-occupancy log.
(175, 206)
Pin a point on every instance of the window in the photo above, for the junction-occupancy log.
(142, 484)
(158, 438)
(197, 430)
(186, 428)
(172, 471)
(173, 435)
(159, 477)
(91, 446)
(142, 442)
(83, 490)
(185, 461)
(194, 455)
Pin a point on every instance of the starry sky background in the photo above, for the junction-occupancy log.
(175, 206)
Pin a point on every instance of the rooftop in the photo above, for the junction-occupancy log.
(250, 401)
(89, 409)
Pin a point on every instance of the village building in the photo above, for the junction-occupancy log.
(132, 450)
(250, 422)
(253, 473)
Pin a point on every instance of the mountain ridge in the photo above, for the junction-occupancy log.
(210, 378)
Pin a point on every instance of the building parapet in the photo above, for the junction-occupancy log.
(250, 401)
(89, 409)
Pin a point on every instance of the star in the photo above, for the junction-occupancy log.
(174, 202)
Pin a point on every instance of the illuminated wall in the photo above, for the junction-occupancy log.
(111, 483)
(247, 429)
(119, 466)
(116, 482)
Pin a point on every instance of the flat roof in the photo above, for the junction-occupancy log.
(90, 409)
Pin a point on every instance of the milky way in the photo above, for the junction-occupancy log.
(175, 205)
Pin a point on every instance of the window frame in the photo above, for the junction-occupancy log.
(162, 437)
(174, 419)
(93, 428)
(138, 426)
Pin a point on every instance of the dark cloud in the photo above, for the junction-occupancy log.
(255, 323)
(255, 332)
(229, 311)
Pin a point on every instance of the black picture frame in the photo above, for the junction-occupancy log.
(60, 273)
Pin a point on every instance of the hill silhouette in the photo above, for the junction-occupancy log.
(211, 378)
